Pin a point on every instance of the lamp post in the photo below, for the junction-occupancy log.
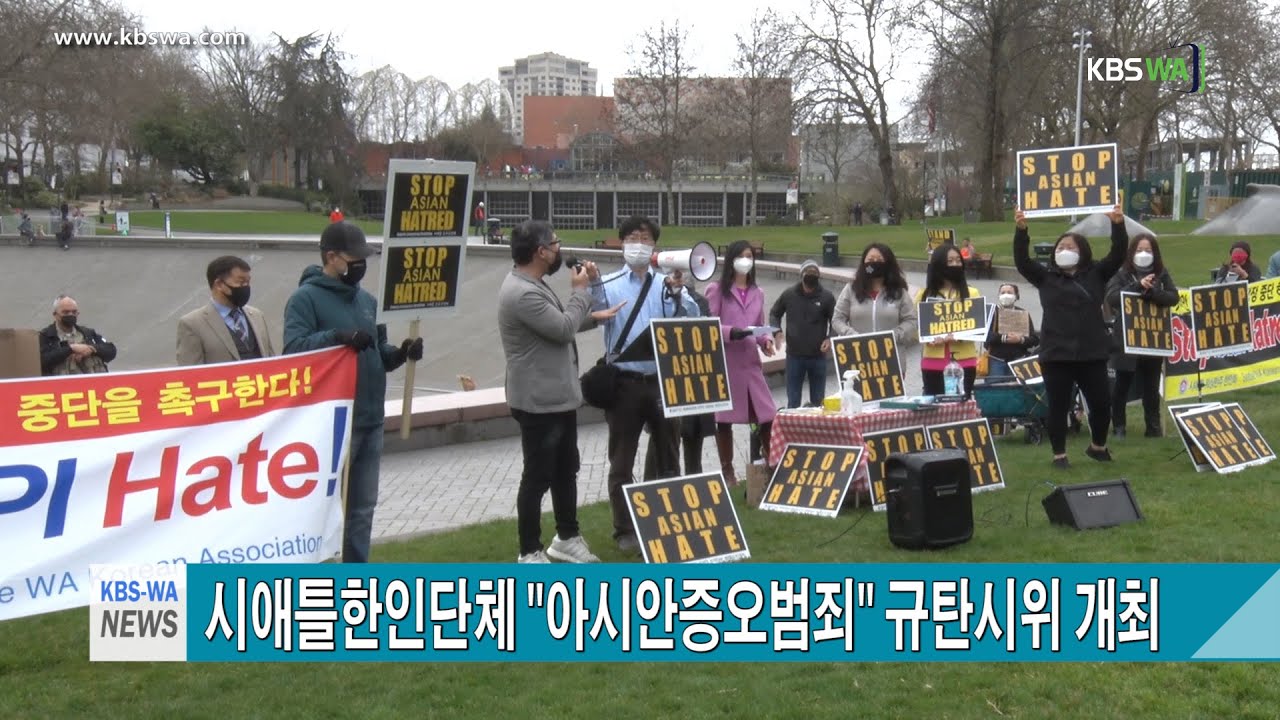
(1082, 44)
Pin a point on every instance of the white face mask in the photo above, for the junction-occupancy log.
(1143, 259)
(743, 265)
(636, 254)
(1006, 299)
(1066, 259)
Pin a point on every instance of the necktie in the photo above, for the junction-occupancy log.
(240, 325)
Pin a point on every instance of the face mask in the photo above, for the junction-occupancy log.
(67, 321)
(239, 296)
(1066, 258)
(355, 272)
(1006, 299)
(743, 265)
(953, 273)
(873, 268)
(636, 254)
(810, 281)
(555, 264)
(1143, 259)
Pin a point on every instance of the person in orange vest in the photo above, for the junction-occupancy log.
(336, 216)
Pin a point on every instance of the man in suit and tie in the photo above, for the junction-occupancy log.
(227, 329)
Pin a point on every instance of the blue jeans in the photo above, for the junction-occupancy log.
(813, 367)
(362, 493)
(998, 368)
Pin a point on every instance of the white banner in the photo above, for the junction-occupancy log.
(231, 463)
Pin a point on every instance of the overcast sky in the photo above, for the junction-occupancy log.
(460, 42)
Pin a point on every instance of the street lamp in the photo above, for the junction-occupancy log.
(1082, 44)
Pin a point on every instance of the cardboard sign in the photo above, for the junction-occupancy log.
(1198, 460)
(424, 238)
(1027, 370)
(965, 319)
(1068, 181)
(875, 357)
(978, 441)
(879, 446)
(1220, 319)
(421, 277)
(812, 479)
(1251, 431)
(939, 237)
(686, 520)
(692, 372)
(1221, 439)
(1146, 328)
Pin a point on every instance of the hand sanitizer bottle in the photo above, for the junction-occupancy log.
(953, 377)
(850, 400)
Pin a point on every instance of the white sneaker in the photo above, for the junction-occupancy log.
(537, 556)
(573, 550)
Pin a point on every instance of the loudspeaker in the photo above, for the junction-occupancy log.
(928, 498)
(699, 261)
(1092, 505)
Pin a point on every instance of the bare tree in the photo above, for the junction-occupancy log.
(240, 80)
(848, 55)
(835, 144)
(759, 99)
(652, 101)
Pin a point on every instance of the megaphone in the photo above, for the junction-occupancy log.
(699, 261)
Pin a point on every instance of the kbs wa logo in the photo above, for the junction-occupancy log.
(1187, 72)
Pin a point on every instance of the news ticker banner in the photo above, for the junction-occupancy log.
(228, 463)
(875, 356)
(1068, 180)
(424, 237)
(913, 612)
(693, 374)
(1201, 334)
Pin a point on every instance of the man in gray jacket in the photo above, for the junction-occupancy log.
(543, 393)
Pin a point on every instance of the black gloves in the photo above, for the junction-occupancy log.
(412, 349)
(355, 339)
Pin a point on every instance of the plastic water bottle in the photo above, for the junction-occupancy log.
(850, 399)
(953, 378)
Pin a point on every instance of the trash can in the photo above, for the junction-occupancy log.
(830, 249)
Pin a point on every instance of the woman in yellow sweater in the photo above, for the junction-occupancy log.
(945, 281)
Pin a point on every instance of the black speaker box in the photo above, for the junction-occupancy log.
(928, 498)
(1092, 505)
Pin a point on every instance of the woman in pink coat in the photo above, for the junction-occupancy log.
(739, 303)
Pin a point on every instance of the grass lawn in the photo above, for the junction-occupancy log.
(1190, 517)
(266, 222)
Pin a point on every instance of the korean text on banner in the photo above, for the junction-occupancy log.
(228, 463)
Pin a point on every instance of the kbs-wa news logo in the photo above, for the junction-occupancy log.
(1180, 64)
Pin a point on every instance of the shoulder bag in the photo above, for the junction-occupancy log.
(600, 382)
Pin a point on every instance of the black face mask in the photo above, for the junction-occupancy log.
(355, 272)
(810, 281)
(953, 273)
(68, 321)
(873, 268)
(239, 296)
(555, 264)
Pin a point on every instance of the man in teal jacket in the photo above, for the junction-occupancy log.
(330, 309)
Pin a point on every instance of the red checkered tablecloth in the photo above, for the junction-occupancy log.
(809, 428)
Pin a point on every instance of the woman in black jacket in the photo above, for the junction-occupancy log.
(1144, 273)
(1004, 343)
(1073, 334)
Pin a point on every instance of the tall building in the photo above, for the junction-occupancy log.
(544, 74)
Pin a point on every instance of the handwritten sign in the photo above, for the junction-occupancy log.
(1146, 328)
(965, 319)
(1027, 370)
(424, 238)
(687, 519)
(875, 357)
(939, 237)
(976, 439)
(1068, 180)
(1198, 459)
(692, 373)
(812, 479)
(1220, 319)
(1221, 439)
(878, 446)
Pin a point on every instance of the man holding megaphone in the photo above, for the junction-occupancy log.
(638, 400)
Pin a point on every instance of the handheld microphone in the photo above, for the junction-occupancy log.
(572, 262)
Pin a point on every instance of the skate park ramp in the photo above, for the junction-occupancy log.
(1257, 214)
(1099, 225)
